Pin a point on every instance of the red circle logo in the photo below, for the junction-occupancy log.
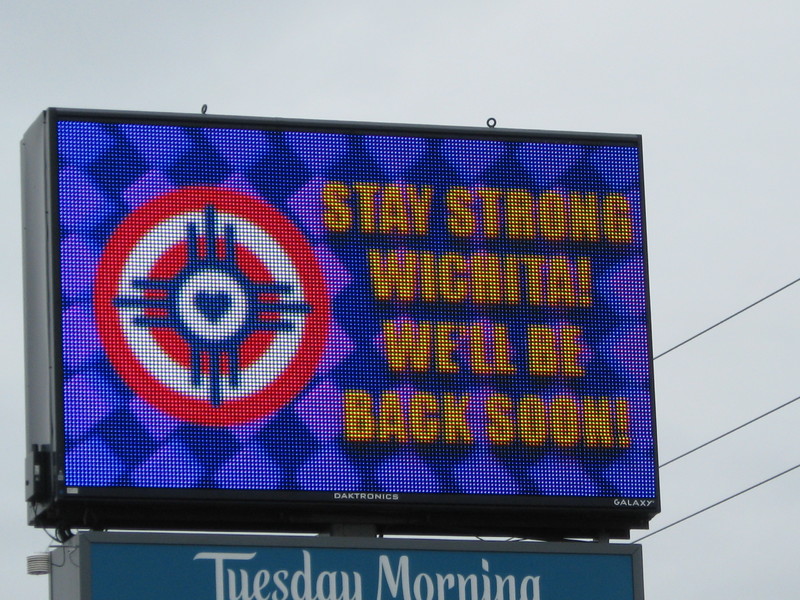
(211, 306)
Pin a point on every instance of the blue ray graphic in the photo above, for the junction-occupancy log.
(212, 305)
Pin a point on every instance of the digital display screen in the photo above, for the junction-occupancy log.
(354, 314)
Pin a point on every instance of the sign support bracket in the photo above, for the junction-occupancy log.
(354, 530)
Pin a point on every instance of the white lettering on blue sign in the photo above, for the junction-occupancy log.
(399, 584)
(302, 584)
(219, 558)
(395, 581)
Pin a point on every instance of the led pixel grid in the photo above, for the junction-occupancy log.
(328, 311)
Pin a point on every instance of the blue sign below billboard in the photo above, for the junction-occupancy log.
(106, 566)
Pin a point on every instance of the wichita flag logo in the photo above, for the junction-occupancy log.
(211, 306)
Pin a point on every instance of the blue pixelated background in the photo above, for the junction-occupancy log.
(114, 438)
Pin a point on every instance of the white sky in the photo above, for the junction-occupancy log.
(713, 87)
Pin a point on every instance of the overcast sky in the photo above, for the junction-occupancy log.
(712, 87)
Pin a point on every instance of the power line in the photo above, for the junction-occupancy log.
(735, 429)
(728, 318)
(701, 511)
(727, 433)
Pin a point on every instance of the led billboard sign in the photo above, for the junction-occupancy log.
(396, 325)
